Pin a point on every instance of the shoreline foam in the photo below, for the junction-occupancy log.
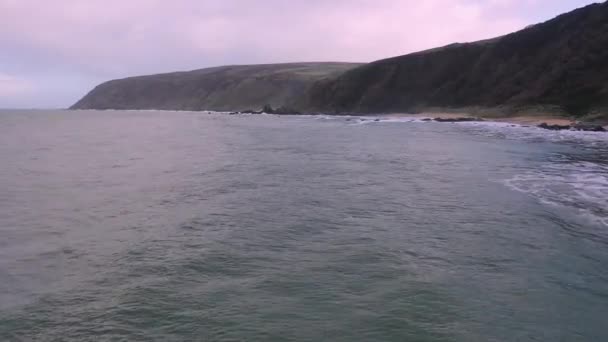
(523, 120)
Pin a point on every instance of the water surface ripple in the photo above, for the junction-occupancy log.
(178, 226)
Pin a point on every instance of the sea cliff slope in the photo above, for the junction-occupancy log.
(559, 66)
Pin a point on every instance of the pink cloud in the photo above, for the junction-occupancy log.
(130, 32)
(115, 38)
(13, 86)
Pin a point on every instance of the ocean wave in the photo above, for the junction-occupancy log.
(580, 186)
(512, 131)
(366, 120)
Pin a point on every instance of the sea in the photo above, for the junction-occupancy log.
(201, 226)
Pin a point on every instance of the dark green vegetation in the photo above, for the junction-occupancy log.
(557, 67)
(224, 88)
(561, 64)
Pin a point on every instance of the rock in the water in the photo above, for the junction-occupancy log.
(247, 111)
(462, 119)
(588, 127)
(545, 125)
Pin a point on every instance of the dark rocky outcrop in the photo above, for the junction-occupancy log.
(576, 127)
(545, 125)
(561, 64)
(588, 127)
(461, 119)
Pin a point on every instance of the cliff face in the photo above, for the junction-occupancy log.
(562, 63)
(222, 88)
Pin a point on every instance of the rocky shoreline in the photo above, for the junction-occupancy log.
(578, 126)
(574, 127)
(548, 122)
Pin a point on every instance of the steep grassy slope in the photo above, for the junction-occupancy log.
(560, 64)
(221, 88)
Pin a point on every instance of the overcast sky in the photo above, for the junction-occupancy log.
(54, 51)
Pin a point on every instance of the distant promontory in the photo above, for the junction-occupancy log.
(225, 88)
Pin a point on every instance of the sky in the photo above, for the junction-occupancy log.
(52, 52)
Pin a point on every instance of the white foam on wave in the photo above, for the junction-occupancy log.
(366, 120)
(582, 186)
(490, 128)
(324, 117)
(405, 119)
(533, 133)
